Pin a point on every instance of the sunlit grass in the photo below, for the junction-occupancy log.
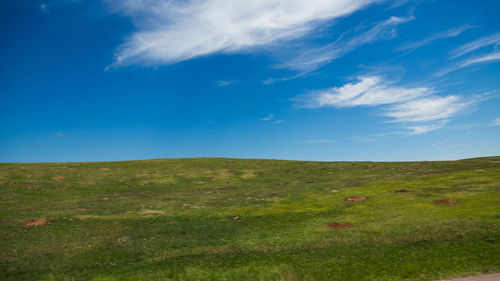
(231, 219)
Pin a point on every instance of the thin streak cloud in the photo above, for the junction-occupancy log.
(488, 58)
(493, 39)
(268, 117)
(435, 37)
(313, 59)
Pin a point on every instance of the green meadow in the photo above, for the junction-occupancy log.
(239, 219)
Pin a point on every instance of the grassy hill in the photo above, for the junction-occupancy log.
(233, 219)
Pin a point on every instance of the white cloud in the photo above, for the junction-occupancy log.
(427, 109)
(170, 31)
(488, 58)
(224, 83)
(417, 107)
(434, 37)
(493, 39)
(397, 3)
(45, 8)
(423, 129)
(279, 121)
(268, 117)
(311, 60)
(495, 56)
(496, 122)
(368, 91)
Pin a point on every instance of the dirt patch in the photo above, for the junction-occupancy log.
(400, 191)
(122, 239)
(226, 182)
(105, 169)
(338, 225)
(356, 198)
(446, 202)
(35, 222)
(232, 171)
(58, 178)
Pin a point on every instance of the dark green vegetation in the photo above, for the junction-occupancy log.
(229, 219)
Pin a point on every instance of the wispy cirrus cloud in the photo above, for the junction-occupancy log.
(268, 117)
(47, 6)
(487, 58)
(427, 109)
(423, 129)
(419, 108)
(314, 58)
(493, 39)
(173, 31)
(492, 57)
(44, 8)
(474, 46)
(367, 91)
(435, 37)
(225, 83)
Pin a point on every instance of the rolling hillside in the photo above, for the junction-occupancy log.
(235, 219)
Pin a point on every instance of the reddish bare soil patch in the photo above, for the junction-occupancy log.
(58, 178)
(35, 222)
(446, 202)
(232, 171)
(105, 169)
(338, 225)
(356, 198)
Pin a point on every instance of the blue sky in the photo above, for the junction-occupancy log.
(299, 79)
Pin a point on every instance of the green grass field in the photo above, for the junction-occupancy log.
(232, 219)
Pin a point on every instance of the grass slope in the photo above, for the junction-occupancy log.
(174, 219)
